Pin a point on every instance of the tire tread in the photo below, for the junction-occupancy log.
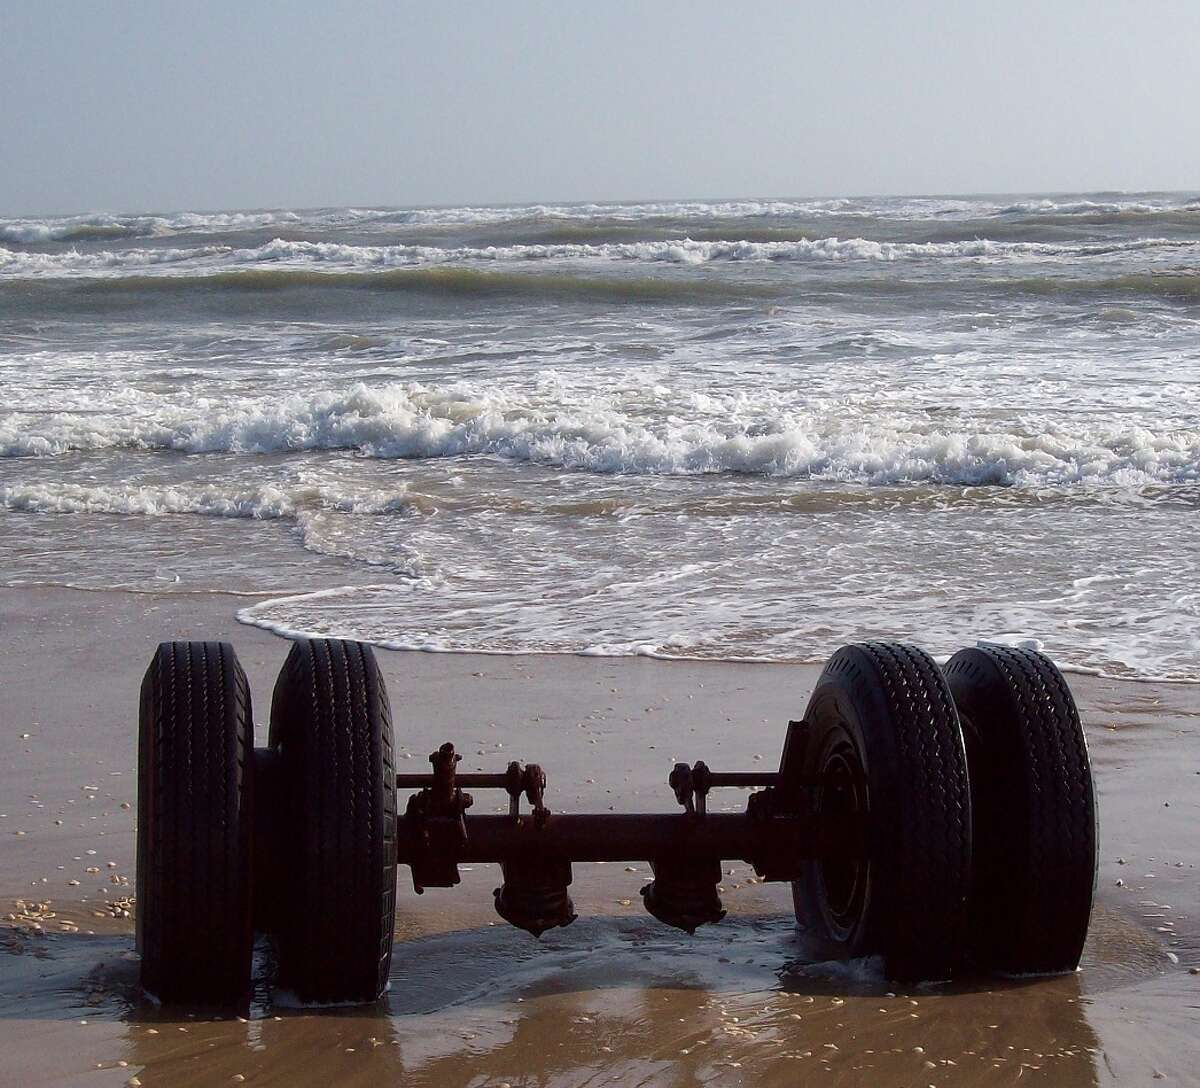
(1035, 869)
(331, 717)
(194, 818)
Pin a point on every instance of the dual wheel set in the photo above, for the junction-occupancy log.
(942, 818)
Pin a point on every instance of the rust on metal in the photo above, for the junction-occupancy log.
(776, 833)
(436, 818)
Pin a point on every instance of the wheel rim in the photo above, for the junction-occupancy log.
(841, 799)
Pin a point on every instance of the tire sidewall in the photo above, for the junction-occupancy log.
(892, 703)
(832, 728)
(845, 705)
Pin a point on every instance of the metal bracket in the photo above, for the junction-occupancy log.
(691, 786)
(438, 816)
(530, 781)
(535, 784)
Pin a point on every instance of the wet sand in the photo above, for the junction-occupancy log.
(616, 998)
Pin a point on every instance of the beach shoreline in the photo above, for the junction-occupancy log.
(607, 731)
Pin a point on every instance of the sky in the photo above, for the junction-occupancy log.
(163, 106)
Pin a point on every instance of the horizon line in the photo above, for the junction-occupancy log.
(613, 203)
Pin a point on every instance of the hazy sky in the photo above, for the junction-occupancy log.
(164, 105)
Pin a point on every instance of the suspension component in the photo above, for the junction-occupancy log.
(534, 894)
(684, 893)
(437, 819)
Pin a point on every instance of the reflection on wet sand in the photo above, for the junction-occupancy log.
(619, 1003)
(612, 1001)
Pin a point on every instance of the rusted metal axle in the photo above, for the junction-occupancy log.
(775, 835)
(480, 780)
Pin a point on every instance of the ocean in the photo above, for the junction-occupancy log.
(743, 429)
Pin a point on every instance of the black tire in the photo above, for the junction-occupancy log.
(882, 734)
(1034, 804)
(195, 812)
(332, 726)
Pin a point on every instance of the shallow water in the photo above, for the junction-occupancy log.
(741, 429)
(611, 1000)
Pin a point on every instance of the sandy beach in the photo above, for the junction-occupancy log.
(651, 388)
(615, 998)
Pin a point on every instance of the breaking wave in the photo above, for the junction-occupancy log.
(73, 262)
(1129, 207)
(98, 226)
(301, 255)
(598, 434)
(101, 225)
(82, 228)
(266, 503)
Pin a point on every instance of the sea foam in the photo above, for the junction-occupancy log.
(265, 503)
(334, 256)
(606, 434)
(100, 225)
(97, 226)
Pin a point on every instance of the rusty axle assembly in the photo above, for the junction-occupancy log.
(536, 850)
(902, 798)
